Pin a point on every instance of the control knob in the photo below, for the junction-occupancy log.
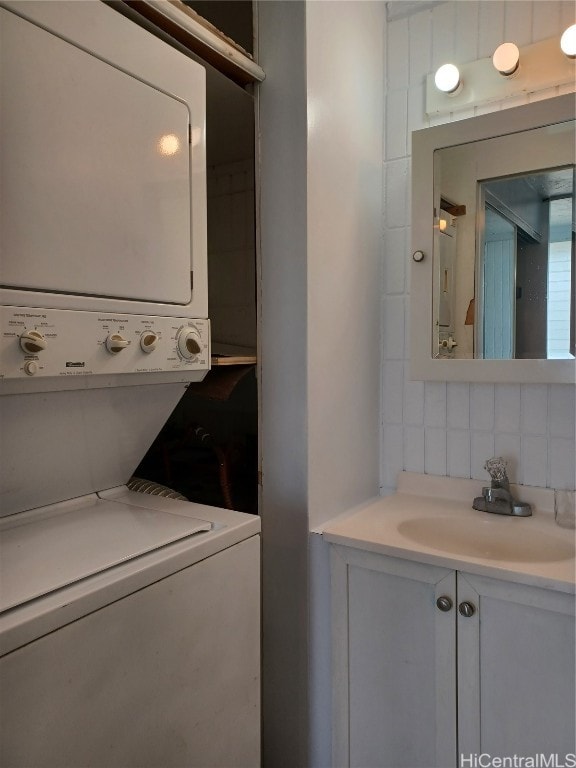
(32, 342)
(148, 341)
(448, 343)
(189, 342)
(116, 343)
(30, 367)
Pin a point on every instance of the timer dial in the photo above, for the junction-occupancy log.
(116, 343)
(189, 342)
(32, 342)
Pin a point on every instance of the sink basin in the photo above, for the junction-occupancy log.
(500, 539)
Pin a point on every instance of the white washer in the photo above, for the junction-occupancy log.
(130, 635)
(129, 623)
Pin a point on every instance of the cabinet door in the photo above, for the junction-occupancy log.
(516, 681)
(393, 661)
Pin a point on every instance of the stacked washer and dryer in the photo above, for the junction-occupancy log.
(129, 623)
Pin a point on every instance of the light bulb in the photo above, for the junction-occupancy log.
(568, 41)
(447, 78)
(506, 58)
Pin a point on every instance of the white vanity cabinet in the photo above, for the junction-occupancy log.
(417, 686)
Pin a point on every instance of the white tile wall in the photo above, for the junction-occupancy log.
(452, 428)
(231, 253)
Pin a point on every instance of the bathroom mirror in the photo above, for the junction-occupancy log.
(493, 298)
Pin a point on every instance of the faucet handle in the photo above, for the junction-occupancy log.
(496, 468)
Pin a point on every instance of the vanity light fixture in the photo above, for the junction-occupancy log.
(568, 42)
(447, 78)
(503, 76)
(506, 59)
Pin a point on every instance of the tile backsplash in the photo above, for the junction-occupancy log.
(445, 428)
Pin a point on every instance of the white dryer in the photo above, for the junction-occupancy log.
(129, 624)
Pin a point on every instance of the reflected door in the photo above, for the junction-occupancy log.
(561, 323)
(499, 274)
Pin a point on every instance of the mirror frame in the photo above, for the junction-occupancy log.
(424, 143)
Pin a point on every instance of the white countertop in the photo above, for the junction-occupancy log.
(377, 525)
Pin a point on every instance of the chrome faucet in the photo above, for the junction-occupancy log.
(497, 498)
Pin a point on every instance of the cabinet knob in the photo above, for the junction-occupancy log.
(467, 609)
(444, 603)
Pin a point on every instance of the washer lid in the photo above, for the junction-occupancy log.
(40, 553)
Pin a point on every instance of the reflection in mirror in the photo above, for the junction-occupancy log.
(498, 286)
(504, 261)
(525, 246)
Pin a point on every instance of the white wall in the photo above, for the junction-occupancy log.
(320, 112)
(344, 56)
(451, 428)
(283, 385)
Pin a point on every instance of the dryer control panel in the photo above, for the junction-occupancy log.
(66, 343)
